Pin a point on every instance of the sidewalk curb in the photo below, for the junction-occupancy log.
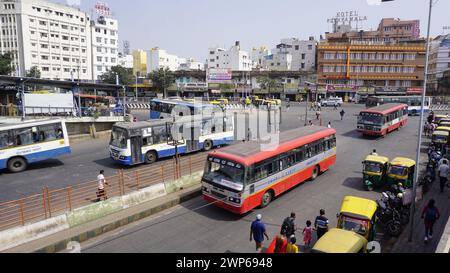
(90, 230)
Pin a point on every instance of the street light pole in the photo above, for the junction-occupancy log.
(419, 142)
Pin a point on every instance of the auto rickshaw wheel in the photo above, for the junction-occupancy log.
(370, 187)
(394, 229)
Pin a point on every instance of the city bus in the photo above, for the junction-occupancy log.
(148, 141)
(244, 176)
(31, 142)
(162, 109)
(414, 103)
(383, 119)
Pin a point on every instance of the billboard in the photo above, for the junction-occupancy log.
(219, 75)
(102, 9)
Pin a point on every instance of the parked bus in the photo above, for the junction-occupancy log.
(383, 119)
(148, 141)
(414, 103)
(31, 142)
(244, 176)
(162, 109)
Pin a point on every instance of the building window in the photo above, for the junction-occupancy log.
(45, 68)
(310, 47)
(99, 59)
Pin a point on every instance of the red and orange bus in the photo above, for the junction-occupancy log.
(244, 176)
(383, 119)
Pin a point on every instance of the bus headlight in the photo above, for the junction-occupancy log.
(234, 200)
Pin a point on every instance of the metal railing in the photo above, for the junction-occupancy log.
(45, 112)
(53, 202)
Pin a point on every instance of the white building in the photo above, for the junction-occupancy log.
(258, 56)
(105, 45)
(191, 64)
(234, 59)
(303, 53)
(279, 60)
(126, 61)
(439, 59)
(159, 58)
(53, 37)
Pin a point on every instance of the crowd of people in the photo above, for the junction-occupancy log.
(286, 240)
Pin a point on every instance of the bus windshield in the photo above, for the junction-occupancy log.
(225, 172)
(118, 138)
(370, 118)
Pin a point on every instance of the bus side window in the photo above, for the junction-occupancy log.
(23, 137)
(5, 140)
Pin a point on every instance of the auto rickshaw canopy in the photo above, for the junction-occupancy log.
(441, 133)
(444, 120)
(340, 241)
(357, 207)
(377, 159)
(403, 162)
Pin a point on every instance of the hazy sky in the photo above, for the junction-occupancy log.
(188, 28)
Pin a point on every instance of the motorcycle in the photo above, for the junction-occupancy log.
(434, 157)
(395, 202)
(388, 217)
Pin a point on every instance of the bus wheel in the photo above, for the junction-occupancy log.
(150, 157)
(315, 173)
(207, 145)
(266, 199)
(17, 164)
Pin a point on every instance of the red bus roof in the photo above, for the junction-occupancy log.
(249, 153)
(385, 108)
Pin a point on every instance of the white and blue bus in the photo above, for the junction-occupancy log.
(149, 141)
(31, 142)
(162, 109)
(414, 103)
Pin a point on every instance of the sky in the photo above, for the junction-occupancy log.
(187, 28)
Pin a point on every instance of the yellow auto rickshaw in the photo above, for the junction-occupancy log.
(442, 129)
(442, 121)
(358, 215)
(340, 241)
(375, 171)
(438, 118)
(401, 170)
(440, 137)
(223, 101)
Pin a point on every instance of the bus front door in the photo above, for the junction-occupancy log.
(136, 150)
(192, 144)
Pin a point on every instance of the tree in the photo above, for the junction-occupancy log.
(34, 72)
(162, 79)
(126, 76)
(6, 66)
(267, 83)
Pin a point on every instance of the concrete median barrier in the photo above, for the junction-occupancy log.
(184, 182)
(143, 195)
(21, 235)
(95, 211)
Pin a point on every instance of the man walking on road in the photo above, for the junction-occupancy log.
(443, 174)
(101, 186)
(257, 232)
(321, 224)
(288, 227)
(342, 114)
(430, 214)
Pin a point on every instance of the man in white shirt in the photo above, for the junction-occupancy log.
(443, 170)
(101, 186)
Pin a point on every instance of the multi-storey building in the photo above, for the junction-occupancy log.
(388, 30)
(159, 58)
(140, 62)
(126, 60)
(439, 60)
(191, 64)
(303, 53)
(234, 59)
(105, 45)
(53, 37)
(371, 64)
(280, 59)
(258, 56)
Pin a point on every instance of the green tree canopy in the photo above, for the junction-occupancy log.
(34, 72)
(162, 78)
(6, 66)
(126, 76)
(266, 82)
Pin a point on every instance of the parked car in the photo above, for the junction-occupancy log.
(332, 102)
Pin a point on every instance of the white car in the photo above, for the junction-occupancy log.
(332, 102)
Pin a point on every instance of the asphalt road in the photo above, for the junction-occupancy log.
(196, 227)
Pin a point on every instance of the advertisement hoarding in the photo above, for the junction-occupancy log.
(219, 75)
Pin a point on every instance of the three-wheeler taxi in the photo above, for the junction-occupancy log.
(401, 170)
(440, 138)
(340, 241)
(375, 171)
(358, 215)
